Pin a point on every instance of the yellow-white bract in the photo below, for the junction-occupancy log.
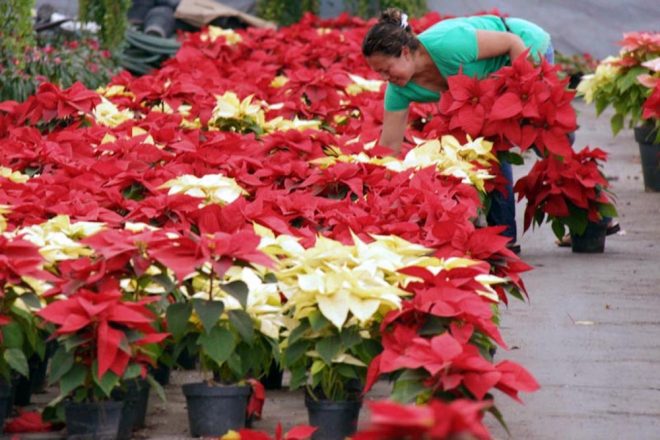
(605, 74)
(213, 188)
(449, 156)
(14, 176)
(345, 283)
(360, 85)
(58, 238)
(106, 113)
(214, 32)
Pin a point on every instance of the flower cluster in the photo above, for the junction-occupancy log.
(627, 82)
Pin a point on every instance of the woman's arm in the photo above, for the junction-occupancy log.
(394, 127)
(493, 44)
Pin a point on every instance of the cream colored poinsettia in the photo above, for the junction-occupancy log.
(4, 209)
(213, 188)
(114, 90)
(279, 81)
(606, 73)
(230, 107)
(281, 124)
(353, 283)
(58, 238)
(215, 32)
(14, 176)
(449, 156)
(360, 85)
(106, 113)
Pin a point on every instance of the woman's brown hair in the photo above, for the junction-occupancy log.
(390, 35)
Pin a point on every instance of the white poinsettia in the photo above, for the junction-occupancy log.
(214, 32)
(605, 74)
(106, 113)
(114, 90)
(279, 81)
(360, 85)
(213, 188)
(14, 176)
(347, 283)
(4, 209)
(58, 238)
(230, 107)
(281, 124)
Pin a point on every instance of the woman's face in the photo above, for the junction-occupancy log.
(397, 70)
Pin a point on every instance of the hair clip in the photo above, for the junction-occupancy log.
(404, 20)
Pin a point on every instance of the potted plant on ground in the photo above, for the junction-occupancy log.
(103, 339)
(337, 296)
(624, 82)
(229, 316)
(570, 193)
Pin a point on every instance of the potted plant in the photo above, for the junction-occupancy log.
(336, 297)
(229, 316)
(570, 193)
(626, 83)
(103, 339)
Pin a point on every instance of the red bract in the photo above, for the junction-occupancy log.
(435, 421)
(50, 102)
(468, 102)
(102, 318)
(554, 185)
(19, 258)
(652, 104)
(301, 432)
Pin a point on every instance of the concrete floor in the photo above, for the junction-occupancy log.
(590, 333)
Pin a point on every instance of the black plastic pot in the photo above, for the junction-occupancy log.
(592, 241)
(162, 374)
(214, 410)
(650, 157)
(5, 401)
(334, 420)
(93, 421)
(135, 396)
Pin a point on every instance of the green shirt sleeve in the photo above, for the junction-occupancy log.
(395, 100)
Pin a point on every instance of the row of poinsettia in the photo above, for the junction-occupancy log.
(189, 199)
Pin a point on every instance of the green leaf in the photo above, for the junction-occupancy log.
(498, 416)
(616, 122)
(243, 323)
(156, 387)
(294, 352)
(73, 379)
(298, 332)
(74, 341)
(318, 321)
(60, 364)
(237, 289)
(577, 221)
(350, 337)
(107, 383)
(298, 377)
(607, 210)
(347, 371)
(17, 361)
(12, 335)
(218, 344)
(209, 312)
(328, 348)
(132, 371)
(31, 300)
(178, 315)
(558, 228)
(317, 366)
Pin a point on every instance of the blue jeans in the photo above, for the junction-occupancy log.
(503, 207)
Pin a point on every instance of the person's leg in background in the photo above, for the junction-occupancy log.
(503, 207)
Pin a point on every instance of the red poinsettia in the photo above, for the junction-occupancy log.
(103, 319)
(301, 432)
(569, 189)
(435, 420)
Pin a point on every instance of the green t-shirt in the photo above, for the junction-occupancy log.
(452, 43)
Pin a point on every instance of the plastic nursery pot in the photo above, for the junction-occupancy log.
(592, 241)
(649, 153)
(25, 386)
(5, 401)
(335, 420)
(135, 397)
(96, 420)
(215, 409)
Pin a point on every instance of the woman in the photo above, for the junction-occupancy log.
(417, 67)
